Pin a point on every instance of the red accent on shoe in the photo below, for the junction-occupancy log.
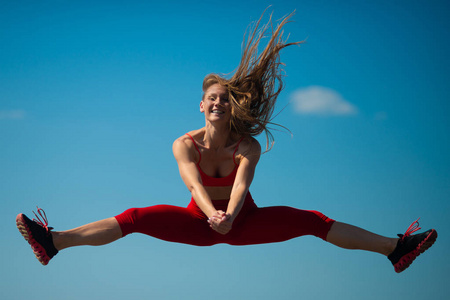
(407, 259)
(412, 228)
(44, 221)
(38, 250)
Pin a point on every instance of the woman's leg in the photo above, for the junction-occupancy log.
(93, 234)
(276, 224)
(280, 223)
(168, 223)
(46, 243)
(401, 252)
(352, 237)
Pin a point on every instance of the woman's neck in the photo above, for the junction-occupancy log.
(216, 137)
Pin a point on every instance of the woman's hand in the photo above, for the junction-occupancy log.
(220, 222)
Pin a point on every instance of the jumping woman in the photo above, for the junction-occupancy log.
(217, 163)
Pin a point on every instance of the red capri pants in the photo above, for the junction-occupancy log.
(253, 225)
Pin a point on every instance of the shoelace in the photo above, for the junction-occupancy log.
(412, 228)
(44, 221)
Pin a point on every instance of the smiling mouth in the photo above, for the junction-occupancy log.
(217, 112)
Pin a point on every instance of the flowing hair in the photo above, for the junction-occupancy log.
(257, 81)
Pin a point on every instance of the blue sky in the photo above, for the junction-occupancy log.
(93, 93)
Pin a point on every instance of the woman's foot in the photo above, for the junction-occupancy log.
(38, 235)
(410, 246)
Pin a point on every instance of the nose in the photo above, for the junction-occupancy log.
(218, 101)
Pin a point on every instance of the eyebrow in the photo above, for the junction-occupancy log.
(224, 95)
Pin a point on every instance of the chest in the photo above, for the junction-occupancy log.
(217, 164)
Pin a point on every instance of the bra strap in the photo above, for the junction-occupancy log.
(198, 150)
(237, 147)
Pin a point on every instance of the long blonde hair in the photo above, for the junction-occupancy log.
(256, 82)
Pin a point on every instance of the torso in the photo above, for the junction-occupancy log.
(217, 170)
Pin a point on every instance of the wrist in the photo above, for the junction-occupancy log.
(230, 216)
(210, 213)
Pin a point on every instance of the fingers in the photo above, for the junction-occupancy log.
(221, 225)
(222, 230)
(219, 214)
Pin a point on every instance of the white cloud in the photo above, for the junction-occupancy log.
(12, 114)
(318, 100)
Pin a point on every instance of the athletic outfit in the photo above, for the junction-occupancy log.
(253, 225)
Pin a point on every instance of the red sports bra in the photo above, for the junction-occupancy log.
(216, 181)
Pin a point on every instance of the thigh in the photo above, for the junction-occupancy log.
(167, 222)
(277, 224)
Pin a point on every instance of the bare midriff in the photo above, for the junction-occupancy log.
(219, 192)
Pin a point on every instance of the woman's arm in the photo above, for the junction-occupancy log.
(249, 153)
(184, 153)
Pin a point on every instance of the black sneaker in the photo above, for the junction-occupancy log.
(410, 246)
(38, 235)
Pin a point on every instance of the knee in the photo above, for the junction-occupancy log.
(127, 220)
(321, 216)
(321, 223)
(129, 216)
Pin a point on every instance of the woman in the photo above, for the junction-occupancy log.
(217, 163)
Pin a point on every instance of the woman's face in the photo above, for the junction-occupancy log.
(215, 104)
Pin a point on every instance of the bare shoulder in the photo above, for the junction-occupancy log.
(250, 145)
(185, 140)
(184, 147)
(250, 149)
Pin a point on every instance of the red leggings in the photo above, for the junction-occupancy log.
(253, 225)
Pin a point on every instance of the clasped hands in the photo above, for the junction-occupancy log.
(220, 222)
